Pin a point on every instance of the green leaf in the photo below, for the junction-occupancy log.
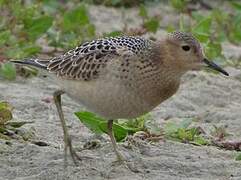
(37, 26)
(99, 125)
(51, 6)
(170, 28)
(18, 124)
(90, 121)
(181, 134)
(203, 26)
(236, 5)
(142, 11)
(115, 2)
(238, 157)
(8, 71)
(213, 50)
(179, 130)
(5, 112)
(234, 29)
(199, 140)
(75, 19)
(179, 4)
(119, 132)
(197, 16)
(185, 123)
(152, 24)
(170, 128)
(113, 34)
(90, 30)
(22, 50)
(202, 37)
(4, 37)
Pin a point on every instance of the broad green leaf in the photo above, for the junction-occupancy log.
(238, 157)
(203, 27)
(8, 71)
(119, 132)
(51, 6)
(181, 134)
(185, 123)
(202, 37)
(115, 2)
(142, 11)
(178, 4)
(152, 128)
(199, 140)
(4, 37)
(236, 5)
(20, 51)
(2, 2)
(213, 50)
(90, 28)
(5, 112)
(36, 27)
(197, 16)
(113, 34)
(90, 121)
(152, 24)
(170, 28)
(170, 128)
(30, 50)
(18, 124)
(220, 16)
(99, 125)
(75, 19)
(234, 29)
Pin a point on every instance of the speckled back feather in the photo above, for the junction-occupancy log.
(86, 61)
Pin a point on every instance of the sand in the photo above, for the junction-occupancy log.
(211, 98)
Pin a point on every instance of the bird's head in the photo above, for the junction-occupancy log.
(185, 53)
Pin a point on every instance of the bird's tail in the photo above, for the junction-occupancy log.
(42, 64)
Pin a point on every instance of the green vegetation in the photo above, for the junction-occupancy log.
(184, 133)
(151, 24)
(28, 27)
(121, 129)
(238, 157)
(8, 128)
(7, 71)
(181, 132)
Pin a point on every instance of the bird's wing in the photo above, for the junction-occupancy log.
(86, 61)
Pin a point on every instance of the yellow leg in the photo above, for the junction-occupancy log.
(119, 156)
(67, 139)
(113, 141)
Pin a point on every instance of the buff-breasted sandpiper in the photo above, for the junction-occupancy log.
(122, 77)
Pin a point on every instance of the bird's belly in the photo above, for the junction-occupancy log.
(107, 99)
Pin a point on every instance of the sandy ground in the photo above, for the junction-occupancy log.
(213, 99)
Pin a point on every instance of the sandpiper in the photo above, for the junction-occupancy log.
(122, 77)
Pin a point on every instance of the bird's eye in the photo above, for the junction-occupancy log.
(186, 48)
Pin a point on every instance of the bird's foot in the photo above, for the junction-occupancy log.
(74, 156)
(68, 147)
(121, 160)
